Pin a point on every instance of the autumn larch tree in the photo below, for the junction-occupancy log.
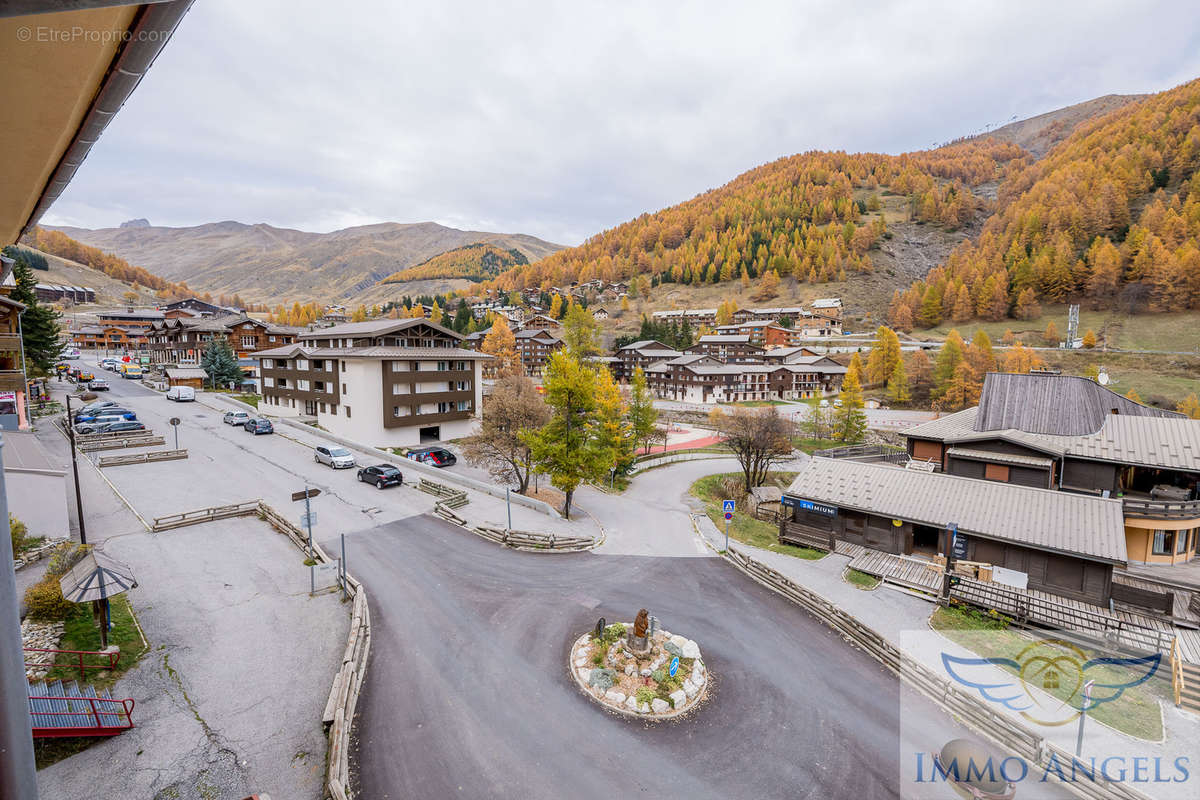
(920, 377)
(1089, 339)
(980, 354)
(512, 410)
(1050, 335)
(1189, 406)
(501, 345)
(946, 364)
(565, 447)
(884, 355)
(643, 416)
(897, 385)
(849, 419)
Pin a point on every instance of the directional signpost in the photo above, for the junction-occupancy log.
(674, 666)
(174, 421)
(307, 521)
(728, 505)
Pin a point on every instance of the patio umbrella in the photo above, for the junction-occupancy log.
(97, 578)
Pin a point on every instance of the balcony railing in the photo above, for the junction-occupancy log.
(12, 380)
(10, 342)
(1140, 508)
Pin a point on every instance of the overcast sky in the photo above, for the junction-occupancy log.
(560, 119)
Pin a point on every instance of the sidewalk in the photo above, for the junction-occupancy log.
(903, 620)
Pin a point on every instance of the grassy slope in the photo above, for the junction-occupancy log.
(745, 528)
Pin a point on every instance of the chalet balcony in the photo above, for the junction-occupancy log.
(12, 380)
(1145, 507)
(10, 343)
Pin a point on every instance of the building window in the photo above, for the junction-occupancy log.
(441, 366)
(398, 366)
(302, 364)
(399, 388)
(1164, 542)
(401, 411)
(1181, 542)
(270, 338)
(248, 341)
(347, 412)
(267, 363)
(344, 389)
(343, 366)
(464, 405)
(322, 407)
(443, 408)
(302, 385)
(268, 382)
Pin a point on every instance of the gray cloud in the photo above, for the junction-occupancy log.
(562, 119)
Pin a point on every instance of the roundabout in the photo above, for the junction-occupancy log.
(639, 669)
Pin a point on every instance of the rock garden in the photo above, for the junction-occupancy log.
(640, 669)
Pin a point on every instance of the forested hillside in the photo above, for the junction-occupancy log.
(1110, 216)
(810, 216)
(474, 262)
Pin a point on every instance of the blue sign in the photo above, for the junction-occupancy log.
(728, 506)
(728, 516)
(809, 505)
(674, 666)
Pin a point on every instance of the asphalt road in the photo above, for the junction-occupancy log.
(468, 693)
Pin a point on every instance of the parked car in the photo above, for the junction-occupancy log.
(108, 363)
(124, 426)
(260, 425)
(98, 385)
(382, 475)
(95, 406)
(70, 353)
(182, 394)
(235, 418)
(336, 457)
(131, 371)
(100, 423)
(107, 411)
(434, 456)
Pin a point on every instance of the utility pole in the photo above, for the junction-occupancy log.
(18, 777)
(75, 474)
(508, 505)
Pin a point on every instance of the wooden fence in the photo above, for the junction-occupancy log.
(118, 443)
(530, 540)
(956, 701)
(803, 536)
(1025, 608)
(338, 715)
(450, 497)
(141, 458)
(202, 515)
(87, 438)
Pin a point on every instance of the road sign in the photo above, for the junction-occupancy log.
(173, 421)
(306, 493)
(728, 506)
(674, 666)
(308, 520)
(728, 515)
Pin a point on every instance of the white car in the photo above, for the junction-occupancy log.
(236, 418)
(185, 394)
(336, 457)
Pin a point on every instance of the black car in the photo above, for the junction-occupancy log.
(434, 456)
(257, 426)
(381, 475)
(96, 406)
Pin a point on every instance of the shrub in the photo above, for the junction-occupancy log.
(659, 675)
(65, 556)
(18, 532)
(645, 694)
(45, 600)
(611, 634)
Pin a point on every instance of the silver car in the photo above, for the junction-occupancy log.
(236, 417)
(336, 457)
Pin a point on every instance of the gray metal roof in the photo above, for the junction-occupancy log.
(1044, 519)
(183, 373)
(1000, 458)
(724, 338)
(1059, 405)
(96, 577)
(378, 327)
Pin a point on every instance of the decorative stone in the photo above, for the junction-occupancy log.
(658, 705)
(581, 662)
(690, 649)
(630, 669)
(677, 640)
(644, 708)
(631, 703)
(678, 698)
(689, 688)
(602, 678)
(698, 674)
(646, 673)
(673, 648)
(613, 696)
(584, 675)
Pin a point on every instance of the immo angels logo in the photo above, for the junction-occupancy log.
(1051, 681)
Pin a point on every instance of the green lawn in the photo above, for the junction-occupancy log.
(744, 527)
(860, 580)
(248, 399)
(806, 445)
(1136, 713)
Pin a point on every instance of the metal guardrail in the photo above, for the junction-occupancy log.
(111, 658)
(141, 458)
(1160, 509)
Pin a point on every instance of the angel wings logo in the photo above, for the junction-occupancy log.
(1051, 681)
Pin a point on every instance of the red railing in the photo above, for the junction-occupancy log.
(112, 657)
(83, 706)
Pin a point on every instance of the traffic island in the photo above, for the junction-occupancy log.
(639, 669)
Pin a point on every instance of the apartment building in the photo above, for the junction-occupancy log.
(181, 340)
(732, 348)
(387, 383)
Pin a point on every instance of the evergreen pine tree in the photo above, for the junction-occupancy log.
(39, 324)
(220, 362)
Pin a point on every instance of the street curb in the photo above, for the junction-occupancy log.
(112, 486)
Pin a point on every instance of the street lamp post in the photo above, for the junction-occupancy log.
(75, 474)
